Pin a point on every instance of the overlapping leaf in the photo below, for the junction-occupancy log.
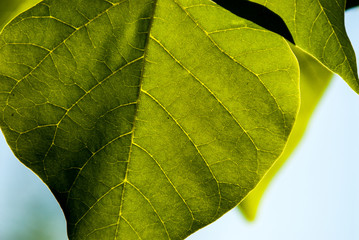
(314, 79)
(147, 119)
(318, 28)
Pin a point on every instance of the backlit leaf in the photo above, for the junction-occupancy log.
(313, 81)
(318, 28)
(147, 119)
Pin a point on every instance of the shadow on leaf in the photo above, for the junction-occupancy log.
(258, 14)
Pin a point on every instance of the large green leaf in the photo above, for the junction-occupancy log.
(314, 79)
(147, 119)
(318, 28)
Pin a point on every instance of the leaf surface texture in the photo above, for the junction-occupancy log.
(318, 28)
(147, 119)
(314, 79)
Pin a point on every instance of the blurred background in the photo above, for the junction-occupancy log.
(315, 195)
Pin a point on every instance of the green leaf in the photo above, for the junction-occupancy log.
(10, 8)
(146, 119)
(318, 28)
(313, 82)
(6, 9)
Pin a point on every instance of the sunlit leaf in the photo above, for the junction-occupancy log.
(147, 119)
(318, 28)
(313, 81)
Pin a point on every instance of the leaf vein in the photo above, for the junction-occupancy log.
(235, 60)
(207, 88)
(97, 201)
(168, 179)
(194, 145)
(133, 229)
(154, 209)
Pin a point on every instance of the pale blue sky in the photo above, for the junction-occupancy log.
(315, 196)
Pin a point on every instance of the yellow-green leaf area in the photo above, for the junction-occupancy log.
(314, 79)
(318, 28)
(147, 119)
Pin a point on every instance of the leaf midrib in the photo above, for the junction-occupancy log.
(143, 58)
(125, 181)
